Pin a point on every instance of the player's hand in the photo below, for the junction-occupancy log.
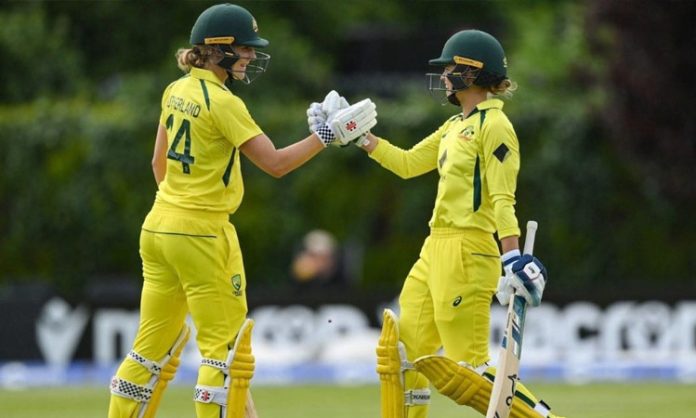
(353, 122)
(319, 113)
(524, 276)
(315, 116)
(333, 103)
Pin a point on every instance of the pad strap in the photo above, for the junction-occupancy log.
(130, 390)
(152, 366)
(405, 364)
(417, 397)
(155, 367)
(214, 394)
(216, 364)
(211, 394)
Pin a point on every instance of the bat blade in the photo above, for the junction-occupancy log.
(250, 410)
(507, 373)
(508, 368)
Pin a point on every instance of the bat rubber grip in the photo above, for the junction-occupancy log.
(530, 236)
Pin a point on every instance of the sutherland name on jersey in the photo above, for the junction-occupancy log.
(184, 106)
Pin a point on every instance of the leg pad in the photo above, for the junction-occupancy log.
(163, 371)
(389, 368)
(466, 386)
(241, 371)
(238, 370)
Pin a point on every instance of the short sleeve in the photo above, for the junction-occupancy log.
(234, 121)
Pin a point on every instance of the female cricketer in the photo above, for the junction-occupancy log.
(192, 262)
(445, 300)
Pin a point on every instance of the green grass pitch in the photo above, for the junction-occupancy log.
(637, 400)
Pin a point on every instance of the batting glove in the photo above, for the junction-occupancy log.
(504, 290)
(354, 121)
(315, 117)
(524, 276)
(319, 113)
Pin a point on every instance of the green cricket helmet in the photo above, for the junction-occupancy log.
(478, 58)
(228, 25)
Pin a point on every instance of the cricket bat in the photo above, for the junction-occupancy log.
(508, 366)
(250, 410)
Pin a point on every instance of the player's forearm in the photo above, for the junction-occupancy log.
(279, 162)
(159, 155)
(159, 170)
(509, 243)
(297, 154)
(289, 158)
(371, 144)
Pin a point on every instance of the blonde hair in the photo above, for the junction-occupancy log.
(505, 88)
(198, 56)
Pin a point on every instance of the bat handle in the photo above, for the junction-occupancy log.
(530, 236)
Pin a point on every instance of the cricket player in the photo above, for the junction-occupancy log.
(445, 299)
(192, 262)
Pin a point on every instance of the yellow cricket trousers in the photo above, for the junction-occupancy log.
(191, 263)
(446, 298)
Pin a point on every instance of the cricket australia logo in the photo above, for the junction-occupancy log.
(237, 284)
(467, 134)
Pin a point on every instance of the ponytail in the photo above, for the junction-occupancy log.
(198, 56)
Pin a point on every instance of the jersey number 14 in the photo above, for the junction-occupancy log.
(184, 132)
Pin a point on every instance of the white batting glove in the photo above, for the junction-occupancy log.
(319, 113)
(333, 102)
(354, 121)
(329, 105)
(315, 116)
(505, 290)
(525, 276)
(529, 278)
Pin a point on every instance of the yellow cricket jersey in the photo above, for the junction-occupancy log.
(206, 124)
(477, 158)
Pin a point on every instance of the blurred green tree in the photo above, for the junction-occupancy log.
(38, 59)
